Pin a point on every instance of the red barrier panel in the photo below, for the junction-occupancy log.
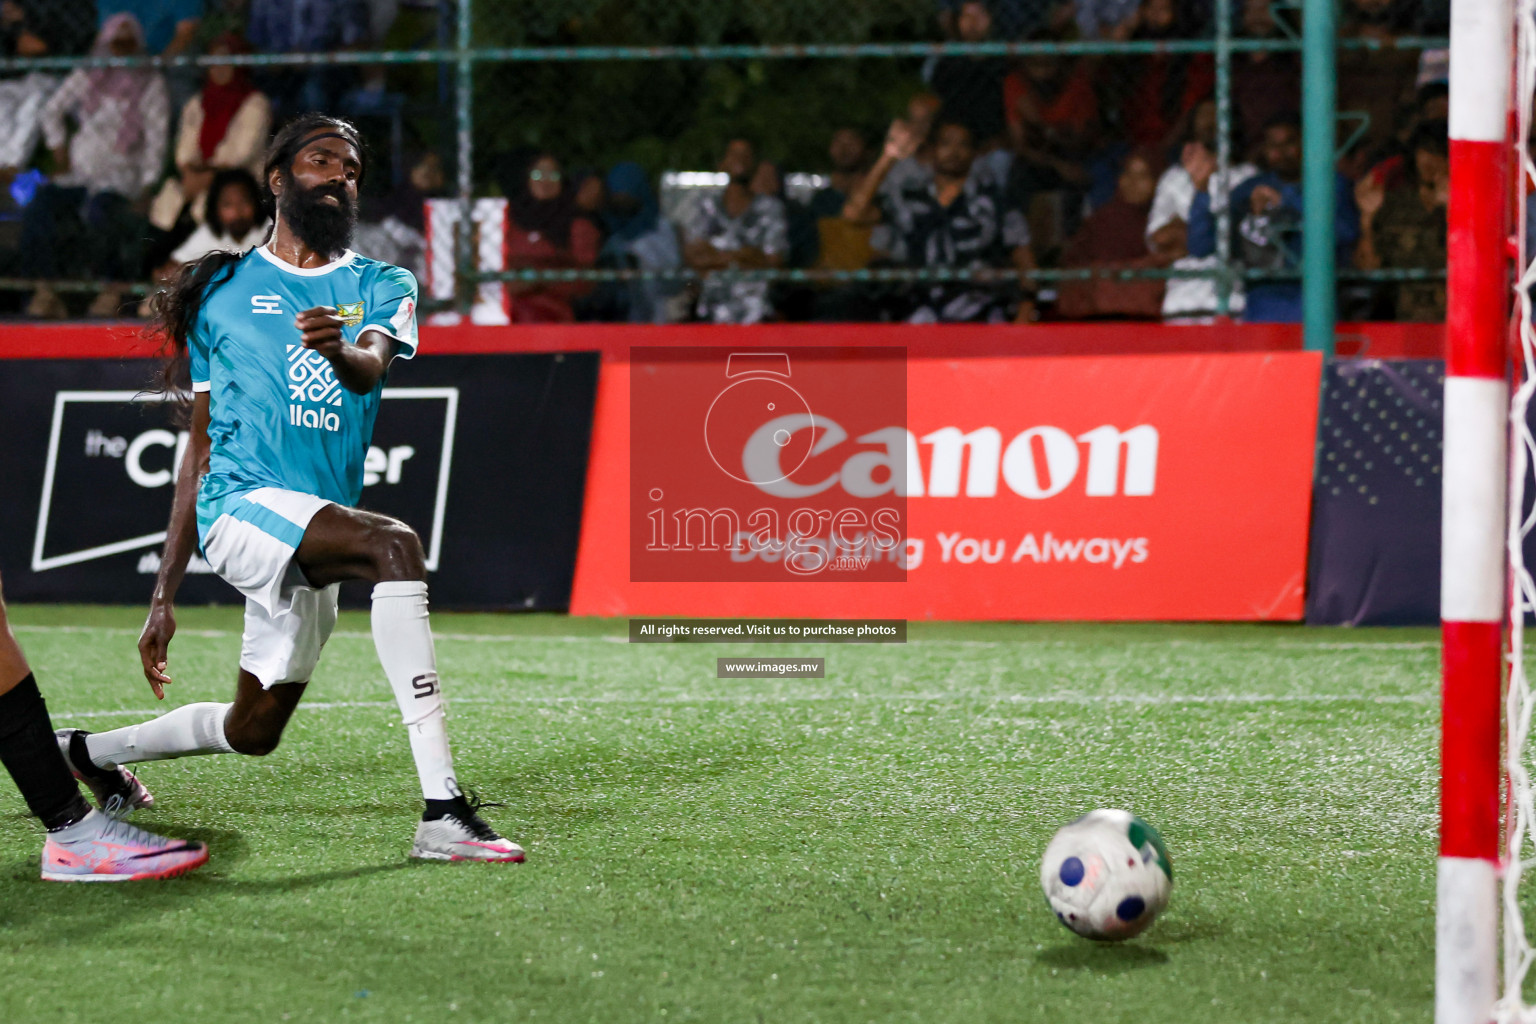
(1133, 487)
(1378, 341)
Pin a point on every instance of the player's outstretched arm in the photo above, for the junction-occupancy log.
(180, 542)
(360, 366)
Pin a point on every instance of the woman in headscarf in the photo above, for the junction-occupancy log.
(1114, 238)
(638, 239)
(224, 127)
(546, 232)
(82, 224)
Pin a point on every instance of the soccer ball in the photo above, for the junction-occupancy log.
(1107, 875)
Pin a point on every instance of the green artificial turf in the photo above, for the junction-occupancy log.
(863, 847)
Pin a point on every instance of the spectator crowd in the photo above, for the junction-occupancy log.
(993, 168)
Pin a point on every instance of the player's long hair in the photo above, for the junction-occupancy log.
(174, 310)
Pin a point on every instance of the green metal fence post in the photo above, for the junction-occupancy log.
(1224, 276)
(1318, 88)
(464, 254)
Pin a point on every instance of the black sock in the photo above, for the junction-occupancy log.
(80, 758)
(442, 808)
(30, 753)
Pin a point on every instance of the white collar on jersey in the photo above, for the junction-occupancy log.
(282, 264)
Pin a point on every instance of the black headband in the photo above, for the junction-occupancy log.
(350, 140)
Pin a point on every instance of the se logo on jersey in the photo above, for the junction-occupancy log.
(351, 313)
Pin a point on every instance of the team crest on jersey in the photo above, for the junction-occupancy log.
(312, 389)
(351, 313)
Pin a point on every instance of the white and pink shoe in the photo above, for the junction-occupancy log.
(462, 834)
(100, 848)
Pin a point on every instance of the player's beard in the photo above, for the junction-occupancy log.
(324, 227)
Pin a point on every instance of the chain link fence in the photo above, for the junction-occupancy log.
(787, 159)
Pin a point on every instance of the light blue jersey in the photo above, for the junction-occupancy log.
(279, 416)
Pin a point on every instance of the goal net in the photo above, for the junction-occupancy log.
(1519, 840)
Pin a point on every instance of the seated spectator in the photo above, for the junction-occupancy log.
(1106, 19)
(1156, 90)
(307, 26)
(917, 167)
(393, 227)
(231, 221)
(1014, 19)
(737, 229)
(1193, 299)
(545, 231)
(971, 87)
(1265, 84)
(1404, 227)
(83, 223)
(1431, 104)
(29, 28)
(840, 243)
(1266, 223)
(1114, 237)
(225, 126)
(638, 239)
(952, 222)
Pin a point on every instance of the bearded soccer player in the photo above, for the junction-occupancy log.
(288, 348)
(82, 845)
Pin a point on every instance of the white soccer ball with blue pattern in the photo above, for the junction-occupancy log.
(1107, 875)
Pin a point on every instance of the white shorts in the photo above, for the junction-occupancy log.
(251, 545)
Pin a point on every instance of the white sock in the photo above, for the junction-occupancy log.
(190, 729)
(87, 827)
(403, 637)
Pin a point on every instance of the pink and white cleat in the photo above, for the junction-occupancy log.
(100, 848)
(117, 790)
(461, 834)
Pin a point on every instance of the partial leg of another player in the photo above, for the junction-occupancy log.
(349, 544)
(82, 845)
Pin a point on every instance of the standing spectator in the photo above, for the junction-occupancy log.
(29, 28)
(1265, 85)
(1114, 237)
(169, 26)
(1157, 90)
(638, 239)
(1376, 82)
(952, 222)
(83, 223)
(223, 127)
(307, 26)
(1266, 215)
(1404, 227)
(971, 87)
(736, 230)
(1193, 299)
(545, 231)
(1053, 121)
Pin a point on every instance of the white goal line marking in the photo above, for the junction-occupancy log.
(911, 698)
(501, 638)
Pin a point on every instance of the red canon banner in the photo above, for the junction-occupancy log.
(1124, 487)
